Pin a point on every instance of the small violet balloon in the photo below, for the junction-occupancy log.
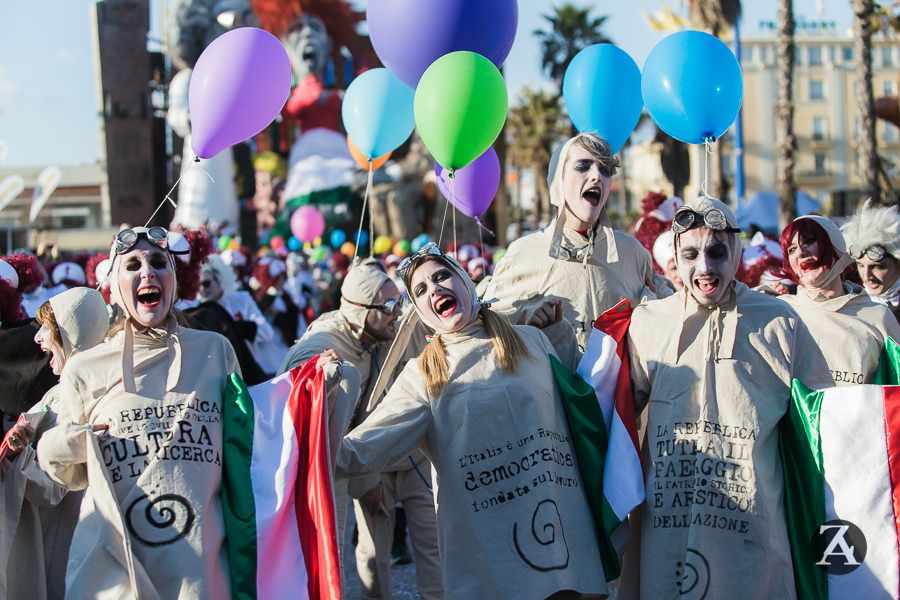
(460, 107)
(409, 35)
(307, 223)
(692, 86)
(473, 187)
(378, 112)
(602, 91)
(337, 238)
(238, 86)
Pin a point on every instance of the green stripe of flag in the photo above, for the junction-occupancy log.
(888, 372)
(591, 440)
(804, 487)
(237, 488)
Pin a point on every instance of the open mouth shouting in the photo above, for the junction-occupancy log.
(149, 296)
(706, 285)
(593, 195)
(444, 305)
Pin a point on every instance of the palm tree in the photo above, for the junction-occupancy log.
(785, 138)
(869, 165)
(535, 126)
(571, 30)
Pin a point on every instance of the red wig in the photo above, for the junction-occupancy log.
(90, 270)
(810, 231)
(187, 274)
(30, 276)
(340, 20)
(647, 228)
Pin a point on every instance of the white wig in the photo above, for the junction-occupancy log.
(216, 267)
(873, 226)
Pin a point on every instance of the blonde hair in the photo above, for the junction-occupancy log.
(507, 342)
(45, 316)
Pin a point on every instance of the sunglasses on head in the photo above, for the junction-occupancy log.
(874, 253)
(392, 307)
(128, 238)
(714, 219)
(429, 249)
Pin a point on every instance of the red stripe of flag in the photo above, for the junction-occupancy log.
(614, 323)
(313, 496)
(892, 437)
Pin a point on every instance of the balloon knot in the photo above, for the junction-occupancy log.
(197, 159)
(452, 173)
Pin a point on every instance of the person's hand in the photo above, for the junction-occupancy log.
(100, 427)
(548, 313)
(371, 500)
(18, 438)
(327, 356)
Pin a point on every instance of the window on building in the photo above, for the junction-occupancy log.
(814, 56)
(832, 54)
(847, 54)
(764, 54)
(727, 164)
(890, 87)
(890, 133)
(816, 89)
(820, 159)
(798, 55)
(887, 58)
(820, 132)
(856, 129)
(891, 164)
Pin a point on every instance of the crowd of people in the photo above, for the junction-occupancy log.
(445, 401)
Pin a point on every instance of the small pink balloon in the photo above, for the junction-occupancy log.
(307, 223)
(238, 86)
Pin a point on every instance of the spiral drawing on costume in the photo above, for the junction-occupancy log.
(545, 548)
(161, 521)
(693, 575)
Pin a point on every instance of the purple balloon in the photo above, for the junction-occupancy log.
(409, 35)
(238, 86)
(474, 186)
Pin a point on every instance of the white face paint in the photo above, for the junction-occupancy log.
(44, 339)
(146, 282)
(705, 264)
(441, 296)
(586, 186)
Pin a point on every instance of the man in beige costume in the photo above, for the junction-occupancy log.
(360, 333)
(578, 258)
(712, 366)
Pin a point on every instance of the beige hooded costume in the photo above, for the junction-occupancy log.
(715, 383)
(590, 274)
(341, 330)
(151, 523)
(513, 519)
(34, 508)
(850, 329)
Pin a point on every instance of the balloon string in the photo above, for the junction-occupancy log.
(453, 195)
(708, 150)
(363, 214)
(195, 164)
(443, 221)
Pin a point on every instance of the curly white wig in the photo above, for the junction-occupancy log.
(216, 267)
(873, 226)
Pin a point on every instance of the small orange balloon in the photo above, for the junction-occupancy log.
(361, 159)
(348, 249)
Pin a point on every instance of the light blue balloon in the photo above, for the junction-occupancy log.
(294, 245)
(362, 239)
(419, 242)
(338, 237)
(602, 91)
(692, 86)
(378, 112)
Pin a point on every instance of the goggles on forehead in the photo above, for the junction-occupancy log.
(429, 249)
(714, 219)
(128, 238)
(874, 253)
(392, 306)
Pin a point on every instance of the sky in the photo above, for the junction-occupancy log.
(48, 110)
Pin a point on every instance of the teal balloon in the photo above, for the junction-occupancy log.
(294, 245)
(378, 112)
(602, 92)
(419, 242)
(460, 107)
(692, 86)
(338, 237)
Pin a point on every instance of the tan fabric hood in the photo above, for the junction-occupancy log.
(360, 286)
(82, 318)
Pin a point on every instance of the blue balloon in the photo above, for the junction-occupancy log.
(294, 245)
(692, 86)
(338, 237)
(602, 91)
(419, 242)
(362, 239)
(378, 112)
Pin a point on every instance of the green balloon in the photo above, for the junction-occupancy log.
(460, 107)
(224, 241)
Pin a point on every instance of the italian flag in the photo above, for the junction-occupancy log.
(277, 492)
(600, 410)
(840, 449)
